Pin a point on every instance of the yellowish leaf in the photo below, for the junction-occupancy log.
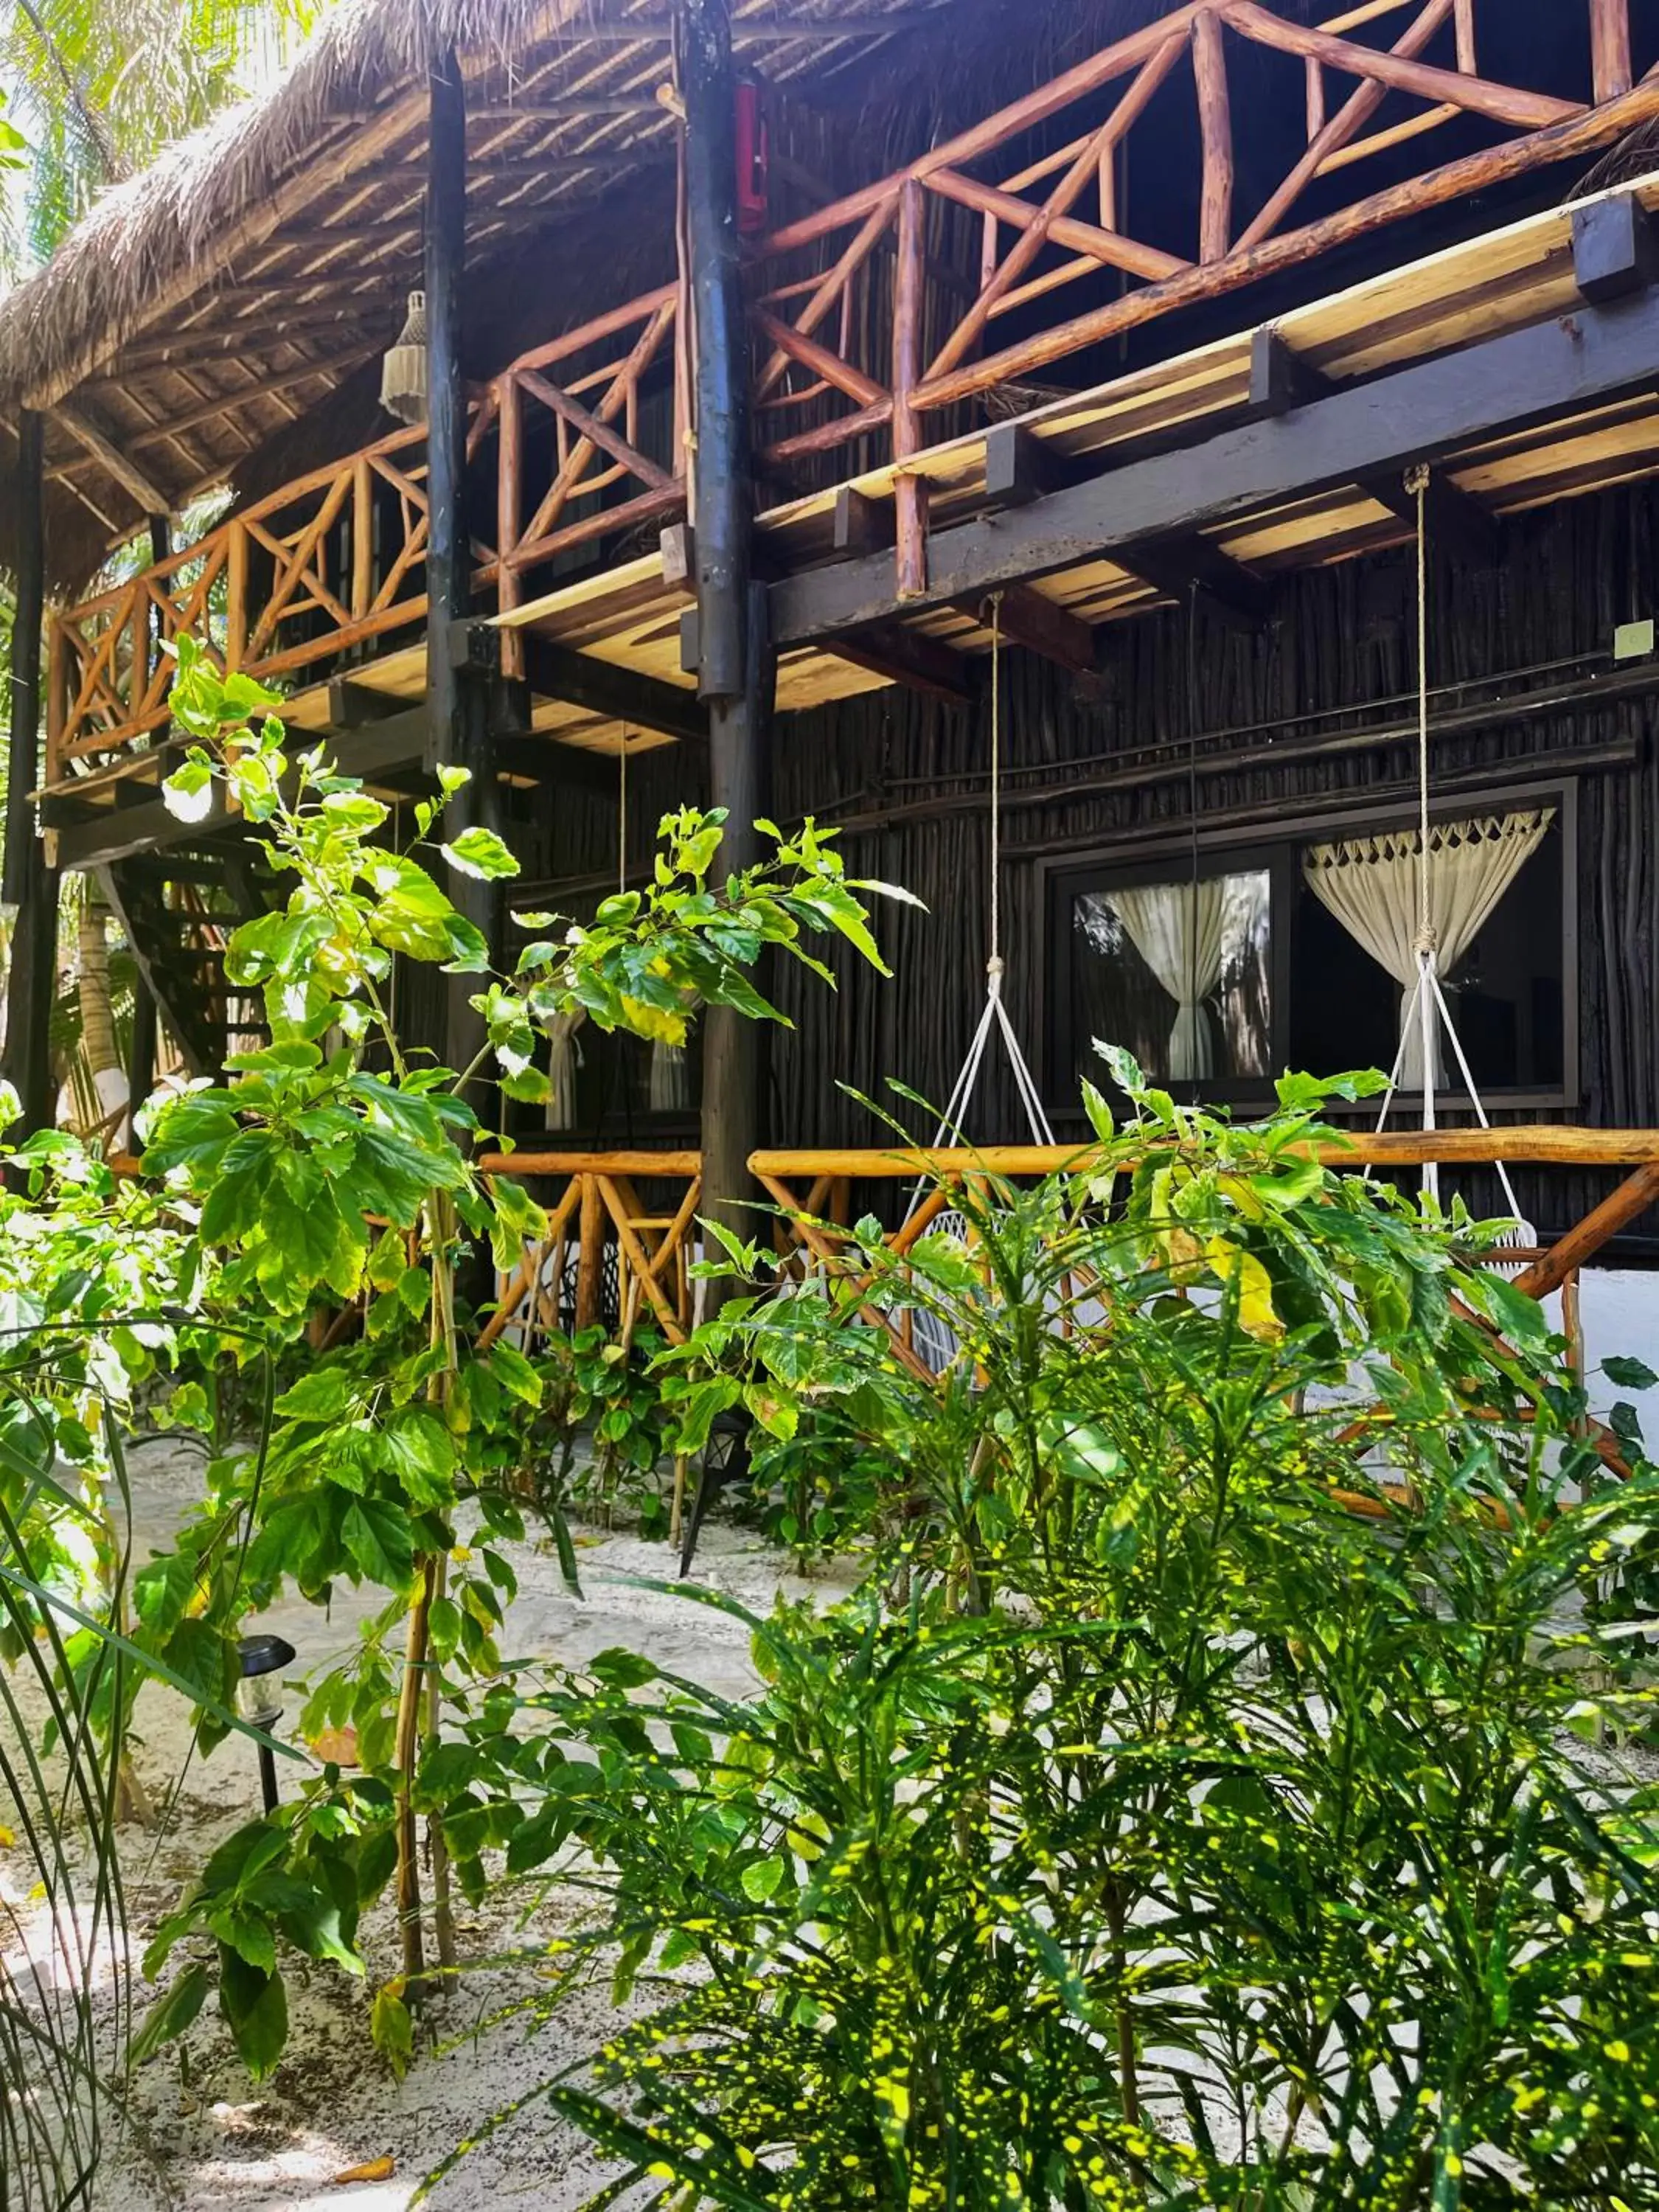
(374, 2169)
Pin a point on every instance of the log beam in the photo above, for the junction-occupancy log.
(1613, 72)
(1561, 368)
(909, 657)
(115, 463)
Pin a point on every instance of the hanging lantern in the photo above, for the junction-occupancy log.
(403, 376)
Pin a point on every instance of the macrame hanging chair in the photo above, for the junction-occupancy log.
(935, 1342)
(1426, 1012)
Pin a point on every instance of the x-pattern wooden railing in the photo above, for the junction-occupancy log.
(854, 339)
(598, 1232)
(344, 549)
(596, 1221)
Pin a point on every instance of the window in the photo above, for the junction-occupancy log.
(1301, 953)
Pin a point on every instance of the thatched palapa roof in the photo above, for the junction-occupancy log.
(203, 308)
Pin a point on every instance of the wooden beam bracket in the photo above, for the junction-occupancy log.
(1280, 378)
(1024, 617)
(1615, 248)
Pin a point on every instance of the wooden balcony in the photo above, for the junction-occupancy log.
(885, 326)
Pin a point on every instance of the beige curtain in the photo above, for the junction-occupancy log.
(1178, 931)
(670, 1089)
(562, 1068)
(1371, 886)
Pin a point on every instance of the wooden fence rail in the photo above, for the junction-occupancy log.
(590, 431)
(606, 1255)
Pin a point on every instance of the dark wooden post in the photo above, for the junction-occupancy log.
(30, 884)
(456, 731)
(734, 662)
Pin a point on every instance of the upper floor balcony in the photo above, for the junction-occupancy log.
(1088, 262)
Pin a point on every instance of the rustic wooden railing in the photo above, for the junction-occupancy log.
(607, 1256)
(850, 328)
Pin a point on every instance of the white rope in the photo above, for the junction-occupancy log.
(1427, 1004)
(995, 1019)
(622, 813)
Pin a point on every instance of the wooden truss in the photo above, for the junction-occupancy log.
(864, 340)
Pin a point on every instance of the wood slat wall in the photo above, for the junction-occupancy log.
(1342, 638)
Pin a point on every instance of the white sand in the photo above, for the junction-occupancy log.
(201, 2136)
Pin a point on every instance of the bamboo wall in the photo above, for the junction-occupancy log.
(1343, 638)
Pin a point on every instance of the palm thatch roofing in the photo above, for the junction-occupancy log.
(218, 318)
(206, 306)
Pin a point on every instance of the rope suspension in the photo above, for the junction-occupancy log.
(995, 1019)
(1427, 1008)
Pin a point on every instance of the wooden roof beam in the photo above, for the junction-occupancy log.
(1024, 617)
(1452, 520)
(907, 656)
(1552, 370)
(110, 458)
(576, 679)
(1177, 565)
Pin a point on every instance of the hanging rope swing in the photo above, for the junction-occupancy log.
(1426, 1011)
(995, 1019)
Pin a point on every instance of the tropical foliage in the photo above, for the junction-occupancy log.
(1225, 1814)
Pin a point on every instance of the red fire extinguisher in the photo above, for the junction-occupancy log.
(754, 152)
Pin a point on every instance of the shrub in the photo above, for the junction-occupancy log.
(1213, 1825)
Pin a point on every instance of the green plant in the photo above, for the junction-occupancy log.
(337, 1166)
(1212, 1825)
(598, 1391)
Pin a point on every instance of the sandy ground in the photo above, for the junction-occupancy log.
(200, 2134)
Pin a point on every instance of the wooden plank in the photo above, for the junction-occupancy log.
(1582, 1243)
(1416, 413)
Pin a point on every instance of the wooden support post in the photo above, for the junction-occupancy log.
(1215, 121)
(590, 1243)
(736, 670)
(1610, 48)
(456, 692)
(909, 299)
(30, 884)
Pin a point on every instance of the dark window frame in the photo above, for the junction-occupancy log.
(1060, 878)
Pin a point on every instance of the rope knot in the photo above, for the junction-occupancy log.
(1416, 478)
(1426, 943)
(993, 967)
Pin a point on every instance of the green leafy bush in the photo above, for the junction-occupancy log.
(1213, 1824)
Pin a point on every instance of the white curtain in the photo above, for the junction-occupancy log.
(671, 1090)
(1371, 886)
(1178, 931)
(561, 1069)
